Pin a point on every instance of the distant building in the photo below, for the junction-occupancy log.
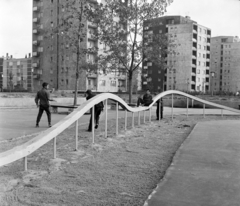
(187, 67)
(1, 74)
(16, 73)
(225, 63)
(53, 61)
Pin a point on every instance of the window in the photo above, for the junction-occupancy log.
(199, 54)
(199, 46)
(149, 63)
(199, 63)
(200, 30)
(102, 82)
(113, 83)
(51, 24)
(199, 38)
(160, 31)
(204, 56)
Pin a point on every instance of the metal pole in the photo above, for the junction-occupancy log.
(159, 110)
(93, 120)
(106, 112)
(125, 126)
(144, 116)
(204, 110)
(76, 136)
(172, 107)
(150, 114)
(25, 163)
(222, 112)
(117, 118)
(139, 118)
(187, 106)
(132, 119)
(54, 147)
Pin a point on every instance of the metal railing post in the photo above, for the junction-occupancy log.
(25, 163)
(132, 119)
(106, 113)
(76, 136)
(117, 118)
(139, 118)
(54, 147)
(203, 110)
(159, 110)
(144, 116)
(172, 107)
(187, 106)
(150, 114)
(125, 125)
(93, 120)
(222, 112)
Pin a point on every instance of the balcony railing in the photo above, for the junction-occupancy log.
(35, 31)
(35, 54)
(35, 64)
(35, 42)
(35, 20)
(35, 8)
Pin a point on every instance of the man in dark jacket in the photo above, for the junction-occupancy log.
(98, 108)
(42, 101)
(146, 100)
(160, 101)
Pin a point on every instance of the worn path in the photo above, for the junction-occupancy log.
(205, 170)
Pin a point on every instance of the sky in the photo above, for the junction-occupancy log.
(221, 16)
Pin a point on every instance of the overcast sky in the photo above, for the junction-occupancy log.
(221, 16)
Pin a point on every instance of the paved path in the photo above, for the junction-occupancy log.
(205, 170)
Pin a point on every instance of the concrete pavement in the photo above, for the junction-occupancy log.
(206, 169)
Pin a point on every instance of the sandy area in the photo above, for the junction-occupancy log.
(120, 170)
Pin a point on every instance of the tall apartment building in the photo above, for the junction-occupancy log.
(187, 65)
(225, 63)
(52, 59)
(17, 73)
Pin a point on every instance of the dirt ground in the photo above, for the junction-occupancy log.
(114, 171)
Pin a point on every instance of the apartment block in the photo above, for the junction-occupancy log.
(16, 73)
(225, 63)
(1, 73)
(187, 61)
(53, 60)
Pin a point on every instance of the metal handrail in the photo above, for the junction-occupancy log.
(22, 151)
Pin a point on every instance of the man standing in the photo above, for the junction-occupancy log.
(42, 101)
(160, 101)
(98, 108)
(146, 100)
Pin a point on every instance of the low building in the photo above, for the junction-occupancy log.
(16, 73)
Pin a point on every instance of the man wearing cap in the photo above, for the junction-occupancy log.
(98, 108)
(42, 101)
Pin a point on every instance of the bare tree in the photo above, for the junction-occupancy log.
(72, 31)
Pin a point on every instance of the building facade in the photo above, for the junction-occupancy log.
(53, 61)
(1, 74)
(16, 73)
(187, 62)
(225, 64)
